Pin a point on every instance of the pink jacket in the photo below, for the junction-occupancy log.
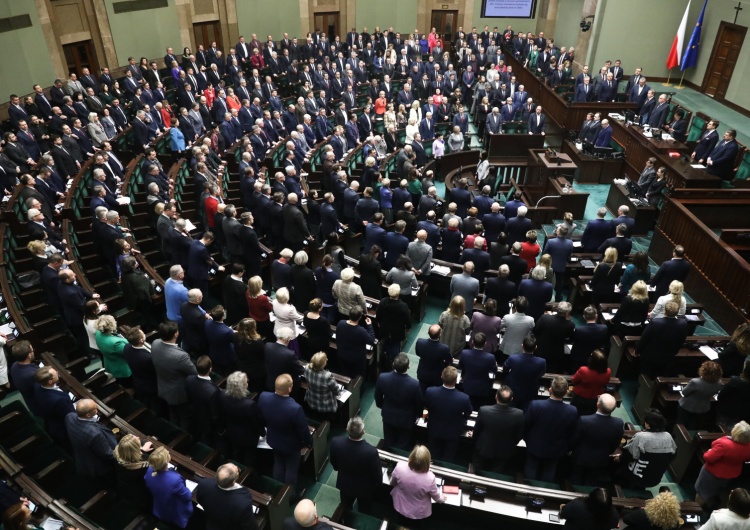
(412, 492)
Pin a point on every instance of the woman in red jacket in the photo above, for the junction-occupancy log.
(530, 249)
(723, 462)
(589, 382)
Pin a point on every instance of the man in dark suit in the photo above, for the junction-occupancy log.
(597, 436)
(517, 227)
(596, 232)
(659, 115)
(193, 319)
(517, 266)
(137, 354)
(493, 222)
(622, 218)
(550, 426)
(559, 248)
(721, 160)
(537, 121)
(203, 397)
(676, 268)
(587, 338)
(395, 244)
(286, 427)
(475, 365)
(552, 333)
(200, 262)
(584, 92)
(173, 366)
(660, 342)
(607, 89)
(522, 373)
(448, 410)
(52, 403)
(399, 397)
(498, 430)
(648, 107)
(434, 356)
(280, 359)
(73, 296)
(604, 136)
(620, 242)
(358, 466)
(225, 503)
(305, 517)
(92, 443)
(706, 143)
(501, 289)
(639, 93)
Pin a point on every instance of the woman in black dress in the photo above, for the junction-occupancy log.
(371, 277)
(249, 347)
(318, 329)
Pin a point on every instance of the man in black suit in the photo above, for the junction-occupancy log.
(475, 365)
(706, 143)
(587, 338)
(358, 466)
(498, 430)
(596, 232)
(137, 354)
(73, 296)
(550, 426)
(52, 404)
(434, 356)
(517, 266)
(305, 517)
(280, 359)
(448, 410)
(203, 397)
(721, 159)
(659, 115)
(200, 262)
(620, 242)
(676, 268)
(225, 503)
(552, 333)
(234, 291)
(193, 320)
(660, 342)
(597, 436)
(400, 400)
(502, 290)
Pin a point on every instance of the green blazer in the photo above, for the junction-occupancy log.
(111, 347)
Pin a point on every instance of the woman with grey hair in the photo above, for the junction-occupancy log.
(303, 281)
(96, 130)
(242, 420)
(455, 140)
(111, 345)
(347, 293)
(287, 316)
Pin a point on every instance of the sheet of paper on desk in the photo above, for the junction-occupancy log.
(698, 166)
(386, 476)
(189, 226)
(52, 524)
(471, 423)
(567, 348)
(5, 329)
(577, 244)
(441, 269)
(344, 395)
(191, 485)
(709, 352)
(608, 316)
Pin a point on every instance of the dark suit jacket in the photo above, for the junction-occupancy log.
(538, 293)
(53, 406)
(603, 137)
(280, 360)
(670, 270)
(586, 339)
(498, 430)
(660, 342)
(399, 398)
(287, 430)
(173, 366)
(722, 159)
(433, 357)
(72, 298)
(533, 127)
(199, 261)
(448, 411)
(552, 333)
(203, 397)
(522, 373)
(475, 366)
(502, 291)
(517, 266)
(706, 145)
(622, 244)
(597, 436)
(516, 229)
(596, 232)
(550, 426)
(582, 95)
(92, 446)
(225, 508)
(658, 115)
(142, 368)
(358, 466)
(194, 339)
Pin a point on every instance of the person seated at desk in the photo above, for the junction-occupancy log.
(675, 295)
(678, 127)
(645, 458)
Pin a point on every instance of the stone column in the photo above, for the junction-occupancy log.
(185, 24)
(101, 23)
(547, 20)
(584, 37)
(55, 49)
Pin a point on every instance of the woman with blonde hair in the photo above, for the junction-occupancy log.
(722, 463)
(633, 311)
(287, 316)
(249, 348)
(39, 257)
(411, 129)
(414, 487)
(322, 388)
(660, 513)
(675, 295)
(455, 140)
(130, 467)
(389, 118)
(260, 307)
(606, 275)
(545, 260)
(455, 324)
(111, 345)
(173, 502)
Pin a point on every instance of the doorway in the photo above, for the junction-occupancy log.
(727, 47)
(207, 32)
(445, 23)
(329, 23)
(79, 55)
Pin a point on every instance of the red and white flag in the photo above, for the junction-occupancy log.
(675, 54)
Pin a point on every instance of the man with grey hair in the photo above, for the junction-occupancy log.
(193, 320)
(280, 359)
(140, 130)
(596, 232)
(553, 332)
(399, 397)
(480, 258)
(296, 232)
(518, 226)
(358, 466)
(305, 516)
(225, 503)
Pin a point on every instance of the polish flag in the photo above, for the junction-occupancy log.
(675, 54)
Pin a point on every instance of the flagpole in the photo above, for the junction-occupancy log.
(680, 87)
(668, 78)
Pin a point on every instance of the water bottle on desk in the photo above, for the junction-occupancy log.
(566, 189)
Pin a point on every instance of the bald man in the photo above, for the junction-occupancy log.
(433, 357)
(92, 443)
(287, 431)
(420, 254)
(226, 503)
(305, 516)
(597, 437)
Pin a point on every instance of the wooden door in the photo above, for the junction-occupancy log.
(80, 55)
(720, 68)
(445, 22)
(329, 23)
(207, 32)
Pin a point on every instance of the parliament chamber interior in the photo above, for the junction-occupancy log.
(344, 273)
